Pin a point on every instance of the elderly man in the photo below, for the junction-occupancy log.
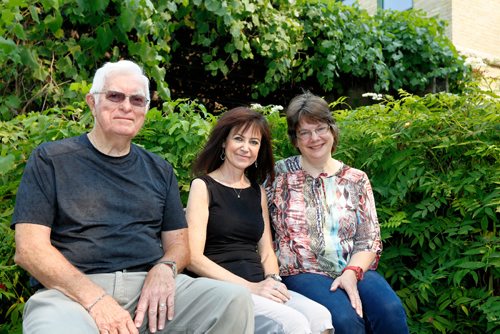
(99, 224)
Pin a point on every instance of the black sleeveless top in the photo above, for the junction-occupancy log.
(235, 226)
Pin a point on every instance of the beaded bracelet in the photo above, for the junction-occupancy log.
(96, 301)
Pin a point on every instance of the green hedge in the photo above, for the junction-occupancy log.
(256, 47)
(433, 162)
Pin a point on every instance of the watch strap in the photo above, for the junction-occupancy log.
(171, 264)
(275, 277)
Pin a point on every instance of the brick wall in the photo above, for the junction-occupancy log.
(476, 26)
(472, 25)
(437, 8)
(369, 5)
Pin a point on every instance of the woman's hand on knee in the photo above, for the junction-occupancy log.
(273, 290)
(349, 283)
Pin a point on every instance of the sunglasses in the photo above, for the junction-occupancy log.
(136, 100)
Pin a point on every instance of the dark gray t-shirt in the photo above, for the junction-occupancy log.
(105, 213)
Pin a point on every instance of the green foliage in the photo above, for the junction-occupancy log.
(19, 137)
(433, 163)
(408, 43)
(282, 147)
(177, 134)
(45, 45)
(327, 41)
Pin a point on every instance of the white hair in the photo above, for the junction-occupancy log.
(121, 67)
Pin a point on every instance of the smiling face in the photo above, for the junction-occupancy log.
(242, 147)
(314, 141)
(121, 119)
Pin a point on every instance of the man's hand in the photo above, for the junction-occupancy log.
(349, 283)
(111, 318)
(157, 298)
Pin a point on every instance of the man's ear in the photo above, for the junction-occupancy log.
(90, 99)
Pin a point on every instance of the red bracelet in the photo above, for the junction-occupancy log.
(358, 270)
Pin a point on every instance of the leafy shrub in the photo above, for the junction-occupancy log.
(19, 137)
(433, 163)
(177, 134)
(44, 45)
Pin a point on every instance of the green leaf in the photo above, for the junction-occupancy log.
(54, 22)
(104, 36)
(7, 163)
(126, 20)
(7, 45)
(471, 265)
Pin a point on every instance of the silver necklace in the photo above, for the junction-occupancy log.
(238, 193)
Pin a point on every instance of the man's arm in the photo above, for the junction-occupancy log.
(158, 293)
(176, 247)
(35, 253)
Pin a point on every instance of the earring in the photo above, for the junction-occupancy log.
(256, 164)
(223, 155)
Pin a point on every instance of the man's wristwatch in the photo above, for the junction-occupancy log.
(358, 270)
(275, 277)
(171, 264)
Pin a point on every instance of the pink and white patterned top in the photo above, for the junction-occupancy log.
(321, 222)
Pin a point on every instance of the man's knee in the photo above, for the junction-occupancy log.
(238, 298)
(227, 296)
(50, 311)
(229, 306)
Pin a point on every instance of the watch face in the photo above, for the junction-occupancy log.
(275, 277)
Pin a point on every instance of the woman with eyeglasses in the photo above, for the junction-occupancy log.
(326, 230)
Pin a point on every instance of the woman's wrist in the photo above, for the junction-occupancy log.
(358, 271)
(275, 277)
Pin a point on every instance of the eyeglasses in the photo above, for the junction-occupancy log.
(136, 100)
(307, 134)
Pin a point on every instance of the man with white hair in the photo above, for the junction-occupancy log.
(100, 226)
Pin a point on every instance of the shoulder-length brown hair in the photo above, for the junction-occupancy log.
(239, 118)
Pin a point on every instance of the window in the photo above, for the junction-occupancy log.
(396, 4)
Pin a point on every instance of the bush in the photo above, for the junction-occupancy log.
(433, 162)
(235, 48)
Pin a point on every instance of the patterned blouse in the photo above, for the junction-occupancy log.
(319, 223)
